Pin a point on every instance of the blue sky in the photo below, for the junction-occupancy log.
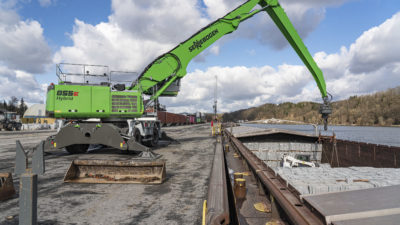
(326, 26)
(58, 18)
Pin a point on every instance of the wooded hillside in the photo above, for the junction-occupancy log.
(379, 109)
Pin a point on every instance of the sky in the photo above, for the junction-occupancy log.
(356, 43)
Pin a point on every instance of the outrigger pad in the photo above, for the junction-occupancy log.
(6, 186)
(112, 171)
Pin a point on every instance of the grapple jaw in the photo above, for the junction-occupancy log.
(325, 110)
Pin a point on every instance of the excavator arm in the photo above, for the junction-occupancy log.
(170, 67)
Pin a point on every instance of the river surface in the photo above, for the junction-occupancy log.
(377, 135)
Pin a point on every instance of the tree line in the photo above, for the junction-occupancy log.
(378, 109)
(14, 105)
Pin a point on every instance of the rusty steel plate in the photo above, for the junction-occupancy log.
(112, 171)
(6, 186)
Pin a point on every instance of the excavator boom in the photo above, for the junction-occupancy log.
(162, 76)
(172, 65)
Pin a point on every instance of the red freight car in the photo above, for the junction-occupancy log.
(171, 119)
(192, 119)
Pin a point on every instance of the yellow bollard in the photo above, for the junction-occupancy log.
(240, 188)
(204, 212)
(226, 148)
(237, 175)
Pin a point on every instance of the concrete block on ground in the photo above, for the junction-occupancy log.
(272, 163)
(326, 179)
(28, 199)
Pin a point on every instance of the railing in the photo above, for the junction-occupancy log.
(82, 73)
(93, 74)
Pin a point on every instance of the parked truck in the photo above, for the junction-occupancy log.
(9, 121)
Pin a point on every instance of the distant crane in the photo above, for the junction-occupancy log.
(215, 98)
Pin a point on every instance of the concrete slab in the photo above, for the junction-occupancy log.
(381, 220)
(360, 204)
(325, 179)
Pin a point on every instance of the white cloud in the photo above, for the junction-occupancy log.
(22, 44)
(251, 52)
(21, 85)
(23, 47)
(214, 49)
(46, 3)
(108, 44)
(304, 14)
(23, 52)
(139, 31)
(239, 87)
(377, 47)
(8, 16)
(164, 21)
(370, 64)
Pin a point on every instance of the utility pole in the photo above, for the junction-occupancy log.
(215, 98)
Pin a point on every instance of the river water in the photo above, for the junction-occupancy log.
(377, 135)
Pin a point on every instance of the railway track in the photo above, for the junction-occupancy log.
(224, 207)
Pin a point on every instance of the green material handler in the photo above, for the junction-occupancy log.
(118, 108)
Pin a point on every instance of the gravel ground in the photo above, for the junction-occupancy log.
(177, 201)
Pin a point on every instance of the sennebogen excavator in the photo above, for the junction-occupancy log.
(118, 108)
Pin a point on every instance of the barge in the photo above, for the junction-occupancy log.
(353, 182)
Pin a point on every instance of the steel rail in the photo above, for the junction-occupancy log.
(296, 212)
(217, 200)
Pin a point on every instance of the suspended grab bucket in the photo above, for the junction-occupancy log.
(111, 171)
(6, 186)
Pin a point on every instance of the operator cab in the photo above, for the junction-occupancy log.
(93, 91)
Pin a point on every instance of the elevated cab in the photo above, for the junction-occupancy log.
(91, 95)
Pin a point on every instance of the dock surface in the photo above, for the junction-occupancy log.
(200, 167)
(178, 200)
